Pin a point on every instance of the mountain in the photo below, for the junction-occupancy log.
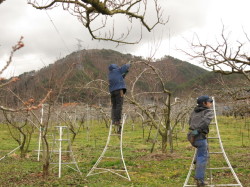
(67, 76)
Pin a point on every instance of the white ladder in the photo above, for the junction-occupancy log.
(114, 171)
(10, 152)
(221, 152)
(60, 149)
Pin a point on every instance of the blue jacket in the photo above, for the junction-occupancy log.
(116, 77)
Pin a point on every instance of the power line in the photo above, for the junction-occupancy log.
(64, 43)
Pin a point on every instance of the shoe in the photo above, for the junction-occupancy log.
(200, 183)
(119, 129)
(118, 123)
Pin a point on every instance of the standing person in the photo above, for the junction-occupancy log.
(199, 128)
(117, 88)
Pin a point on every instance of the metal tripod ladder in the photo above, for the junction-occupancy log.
(59, 149)
(107, 146)
(221, 152)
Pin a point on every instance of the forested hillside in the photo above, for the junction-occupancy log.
(67, 76)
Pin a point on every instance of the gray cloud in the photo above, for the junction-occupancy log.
(44, 43)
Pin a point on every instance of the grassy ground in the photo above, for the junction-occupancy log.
(145, 168)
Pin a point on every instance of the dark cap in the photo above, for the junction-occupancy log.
(204, 98)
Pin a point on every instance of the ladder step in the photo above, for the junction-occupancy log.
(213, 168)
(114, 147)
(62, 139)
(111, 169)
(215, 152)
(64, 163)
(213, 138)
(115, 135)
(111, 157)
(54, 151)
(219, 168)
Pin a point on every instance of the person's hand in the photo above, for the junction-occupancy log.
(130, 62)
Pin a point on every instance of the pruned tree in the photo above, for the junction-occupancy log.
(57, 84)
(225, 57)
(103, 115)
(20, 129)
(227, 92)
(67, 114)
(15, 48)
(101, 16)
(158, 113)
(26, 109)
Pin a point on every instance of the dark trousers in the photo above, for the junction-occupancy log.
(117, 102)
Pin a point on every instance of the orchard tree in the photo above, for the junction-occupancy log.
(25, 110)
(4, 83)
(20, 129)
(225, 57)
(102, 18)
(157, 97)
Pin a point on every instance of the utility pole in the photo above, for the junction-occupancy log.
(79, 45)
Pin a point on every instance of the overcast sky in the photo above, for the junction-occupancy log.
(44, 43)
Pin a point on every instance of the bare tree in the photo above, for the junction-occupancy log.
(98, 15)
(68, 115)
(20, 129)
(15, 48)
(232, 93)
(224, 56)
(26, 109)
(161, 117)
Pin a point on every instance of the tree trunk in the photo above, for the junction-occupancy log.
(45, 156)
(170, 138)
(23, 142)
(71, 142)
(149, 134)
(164, 142)
(45, 170)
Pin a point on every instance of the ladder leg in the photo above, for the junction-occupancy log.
(125, 167)
(209, 165)
(222, 148)
(103, 152)
(114, 171)
(190, 169)
(60, 152)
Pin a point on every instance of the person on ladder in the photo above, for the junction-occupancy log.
(117, 89)
(199, 128)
